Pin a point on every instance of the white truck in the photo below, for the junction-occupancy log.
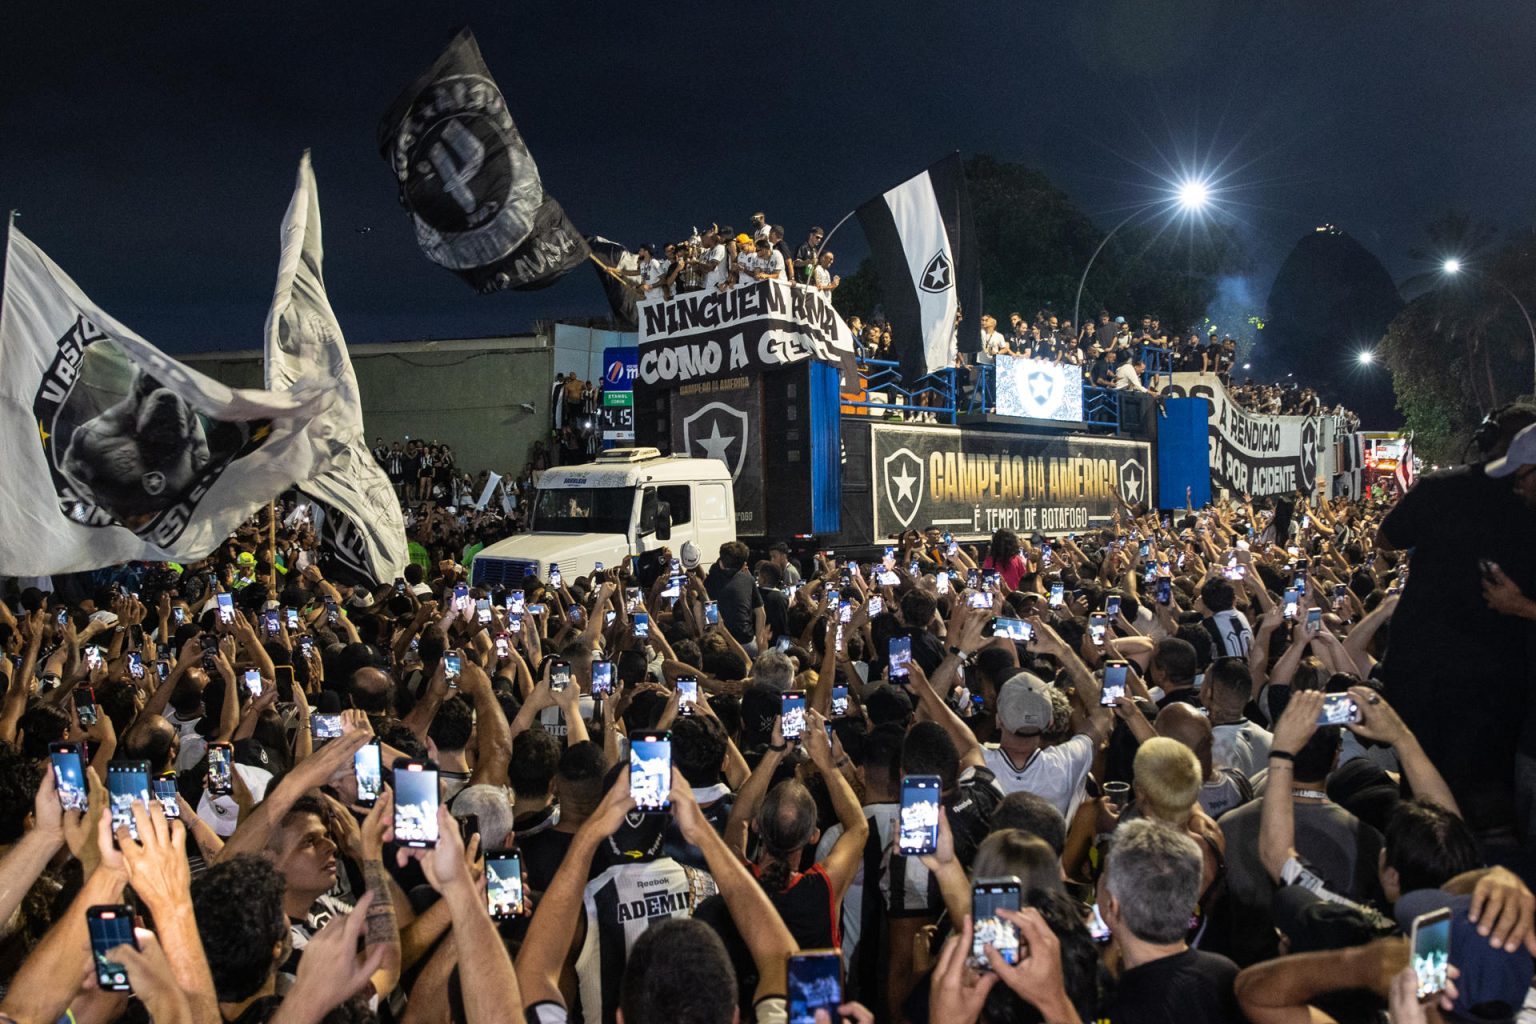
(628, 502)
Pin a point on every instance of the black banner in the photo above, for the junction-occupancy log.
(468, 181)
(621, 300)
(723, 419)
(740, 332)
(974, 482)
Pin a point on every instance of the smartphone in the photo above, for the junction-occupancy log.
(62, 618)
(332, 616)
(602, 678)
(1058, 594)
(516, 602)
(325, 726)
(839, 701)
(941, 582)
(554, 575)
(559, 675)
(712, 614)
(1164, 590)
(165, 792)
(85, 704)
(1019, 630)
(1097, 929)
(978, 599)
(537, 609)
(270, 621)
(1431, 944)
(845, 611)
(988, 896)
(135, 665)
(640, 626)
(162, 670)
(792, 714)
(631, 599)
(253, 682)
(368, 770)
(178, 615)
(453, 664)
(687, 694)
(110, 925)
(68, 764)
(415, 803)
(1340, 595)
(460, 595)
(221, 760)
(888, 578)
(1339, 709)
(876, 605)
(483, 611)
(226, 603)
(1112, 605)
(918, 828)
(127, 781)
(1115, 671)
(1098, 628)
(1292, 598)
(1314, 621)
(399, 586)
(94, 658)
(815, 982)
(1234, 571)
(650, 771)
(504, 885)
(503, 646)
(899, 655)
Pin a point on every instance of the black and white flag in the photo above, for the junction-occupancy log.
(620, 299)
(361, 531)
(468, 181)
(924, 247)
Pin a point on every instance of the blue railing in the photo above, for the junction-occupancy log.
(883, 393)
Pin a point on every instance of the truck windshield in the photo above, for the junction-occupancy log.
(584, 510)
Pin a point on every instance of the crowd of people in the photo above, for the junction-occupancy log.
(720, 258)
(1201, 765)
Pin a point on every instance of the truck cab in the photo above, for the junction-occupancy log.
(630, 501)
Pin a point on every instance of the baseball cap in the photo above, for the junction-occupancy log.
(1313, 924)
(1493, 983)
(1522, 452)
(1023, 704)
(689, 555)
(245, 558)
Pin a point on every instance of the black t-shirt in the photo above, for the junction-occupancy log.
(1192, 987)
(542, 853)
(737, 595)
(1444, 633)
(776, 609)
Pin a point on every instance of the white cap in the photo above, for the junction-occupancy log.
(1522, 452)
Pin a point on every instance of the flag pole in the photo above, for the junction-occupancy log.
(615, 274)
(272, 540)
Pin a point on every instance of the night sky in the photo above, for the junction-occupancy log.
(151, 148)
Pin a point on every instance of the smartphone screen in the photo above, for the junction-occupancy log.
(127, 781)
(226, 603)
(941, 582)
(415, 803)
(165, 792)
(554, 575)
(69, 775)
(453, 664)
(1058, 594)
(1013, 629)
(1292, 596)
(504, 885)
(919, 822)
(1114, 682)
(503, 646)
(815, 982)
(1340, 595)
(1314, 620)
(516, 602)
(1112, 605)
(1432, 951)
(1338, 709)
(839, 701)
(253, 682)
(325, 726)
(292, 615)
(110, 926)
(368, 770)
(221, 757)
(1097, 929)
(85, 704)
(559, 676)
(978, 599)
(792, 712)
(711, 614)
(687, 694)
(1164, 590)
(899, 655)
(844, 610)
(876, 605)
(460, 595)
(93, 658)
(136, 664)
(641, 625)
(483, 611)
(1098, 628)
(988, 896)
(270, 619)
(602, 678)
(650, 770)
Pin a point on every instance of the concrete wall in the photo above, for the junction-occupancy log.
(468, 393)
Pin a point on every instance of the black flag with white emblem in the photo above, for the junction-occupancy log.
(924, 246)
(468, 182)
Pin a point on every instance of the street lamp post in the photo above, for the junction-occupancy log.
(1452, 267)
(1191, 197)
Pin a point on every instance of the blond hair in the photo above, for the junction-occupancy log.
(1168, 780)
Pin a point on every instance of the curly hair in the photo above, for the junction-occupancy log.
(239, 908)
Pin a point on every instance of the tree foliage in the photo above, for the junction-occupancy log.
(1034, 243)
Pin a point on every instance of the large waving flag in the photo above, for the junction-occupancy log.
(923, 242)
(115, 452)
(361, 530)
(468, 181)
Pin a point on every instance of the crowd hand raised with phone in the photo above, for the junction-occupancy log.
(154, 981)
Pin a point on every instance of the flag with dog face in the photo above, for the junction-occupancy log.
(115, 452)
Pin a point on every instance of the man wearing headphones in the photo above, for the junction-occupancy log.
(1457, 671)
